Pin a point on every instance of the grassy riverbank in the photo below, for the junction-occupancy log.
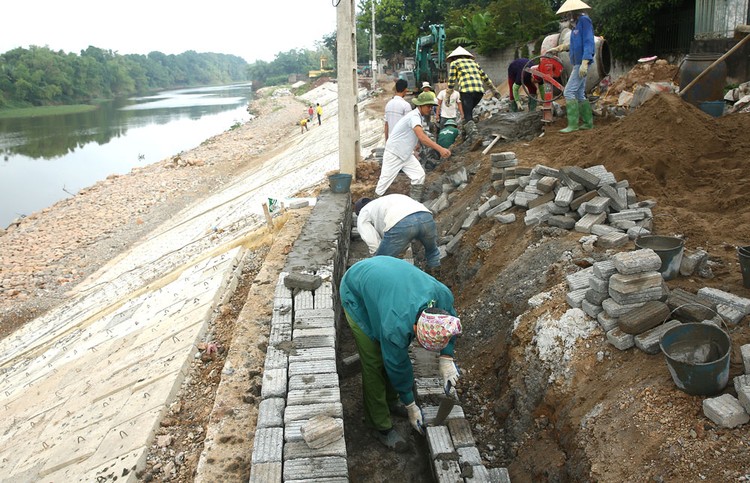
(40, 111)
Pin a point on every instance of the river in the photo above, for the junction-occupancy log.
(47, 159)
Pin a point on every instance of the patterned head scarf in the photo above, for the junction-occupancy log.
(435, 327)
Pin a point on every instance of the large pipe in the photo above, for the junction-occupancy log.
(601, 63)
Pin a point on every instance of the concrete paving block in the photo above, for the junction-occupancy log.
(691, 261)
(590, 309)
(725, 410)
(634, 282)
(606, 322)
(276, 359)
(297, 204)
(604, 269)
(547, 184)
(313, 396)
(447, 471)
(615, 309)
(730, 315)
(430, 412)
(311, 468)
(314, 354)
(321, 431)
(600, 230)
(637, 261)
(740, 381)
(312, 367)
(721, 297)
(617, 202)
(313, 341)
(742, 387)
(498, 158)
(580, 175)
(523, 198)
(575, 298)
(305, 412)
(470, 220)
(597, 205)
(745, 351)
(595, 297)
(543, 199)
(564, 196)
(612, 240)
(588, 220)
(302, 281)
(620, 339)
(274, 383)
(266, 472)
(499, 208)
(599, 284)
(580, 279)
(439, 442)
(323, 296)
(581, 199)
(452, 246)
(648, 341)
(633, 215)
(313, 381)
(636, 231)
(499, 475)
(469, 456)
(559, 210)
(300, 449)
(461, 435)
(689, 307)
(560, 221)
(506, 219)
(543, 170)
(268, 445)
(304, 299)
(279, 334)
(644, 318)
(485, 207)
(511, 185)
(271, 413)
(428, 386)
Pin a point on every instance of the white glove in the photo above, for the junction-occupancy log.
(583, 70)
(449, 373)
(415, 417)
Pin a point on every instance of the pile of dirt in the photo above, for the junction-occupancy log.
(640, 74)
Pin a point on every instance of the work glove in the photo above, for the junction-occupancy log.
(583, 70)
(519, 106)
(495, 92)
(449, 373)
(416, 418)
(558, 49)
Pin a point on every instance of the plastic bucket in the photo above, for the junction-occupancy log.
(340, 183)
(697, 356)
(668, 248)
(743, 253)
(711, 86)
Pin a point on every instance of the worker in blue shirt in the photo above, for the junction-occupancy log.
(388, 303)
(581, 47)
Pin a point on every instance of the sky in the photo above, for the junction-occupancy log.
(251, 29)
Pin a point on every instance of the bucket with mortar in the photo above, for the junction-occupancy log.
(669, 249)
(743, 253)
(340, 182)
(697, 356)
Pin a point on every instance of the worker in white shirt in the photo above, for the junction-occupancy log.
(390, 223)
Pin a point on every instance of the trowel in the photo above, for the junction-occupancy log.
(446, 406)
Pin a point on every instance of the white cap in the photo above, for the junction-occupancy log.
(571, 6)
(459, 52)
(426, 84)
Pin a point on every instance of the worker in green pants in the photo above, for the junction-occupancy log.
(388, 303)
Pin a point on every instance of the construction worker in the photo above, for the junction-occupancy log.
(397, 107)
(426, 87)
(449, 107)
(448, 134)
(319, 112)
(390, 223)
(469, 79)
(581, 47)
(399, 149)
(303, 125)
(389, 302)
(517, 77)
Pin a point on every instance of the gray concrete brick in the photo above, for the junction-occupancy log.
(499, 475)
(600, 230)
(648, 341)
(485, 207)
(430, 412)
(312, 396)
(741, 380)
(644, 318)
(604, 269)
(588, 220)
(559, 210)
(576, 297)
(633, 215)
(300, 449)
(597, 205)
(543, 170)
(636, 231)
(274, 383)
(646, 295)
(476, 473)
(721, 297)
(564, 196)
(523, 198)
(620, 339)
(323, 296)
(311, 468)
(612, 240)
(617, 202)
(745, 351)
(297, 204)
(543, 199)
(504, 206)
(506, 219)
(452, 246)
(470, 220)
(691, 261)
(742, 387)
(595, 297)
(314, 354)
(511, 185)
(590, 309)
(321, 431)
(580, 175)
(688, 307)
(313, 381)
(508, 158)
(304, 299)
(580, 200)
(607, 322)
(615, 309)
(460, 430)
(730, 315)
(271, 413)
(275, 359)
(310, 342)
(280, 333)
(638, 261)
(725, 410)
(305, 412)
(428, 386)
(469, 455)
(293, 430)
(634, 282)
(560, 221)
(536, 216)
(580, 279)
(266, 472)
(268, 445)
(547, 184)
(599, 284)
(447, 471)
(439, 441)
(312, 367)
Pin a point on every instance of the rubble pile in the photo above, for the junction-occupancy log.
(739, 97)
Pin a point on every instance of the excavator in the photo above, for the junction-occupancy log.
(429, 59)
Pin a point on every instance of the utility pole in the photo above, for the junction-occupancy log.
(374, 62)
(346, 59)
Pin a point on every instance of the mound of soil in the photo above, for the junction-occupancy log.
(640, 74)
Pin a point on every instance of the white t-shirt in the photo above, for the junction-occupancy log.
(402, 139)
(395, 109)
(449, 111)
(379, 215)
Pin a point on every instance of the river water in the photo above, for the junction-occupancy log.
(46, 159)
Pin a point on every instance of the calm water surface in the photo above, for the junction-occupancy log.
(44, 159)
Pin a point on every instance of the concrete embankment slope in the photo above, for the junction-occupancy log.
(84, 386)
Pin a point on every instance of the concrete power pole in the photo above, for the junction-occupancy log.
(346, 59)
(374, 62)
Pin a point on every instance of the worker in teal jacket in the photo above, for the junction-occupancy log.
(389, 302)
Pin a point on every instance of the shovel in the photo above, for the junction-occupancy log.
(446, 406)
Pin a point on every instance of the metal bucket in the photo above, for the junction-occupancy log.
(743, 253)
(340, 183)
(668, 248)
(697, 356)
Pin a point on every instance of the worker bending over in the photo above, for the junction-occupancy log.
(388, 303)
(516, 77)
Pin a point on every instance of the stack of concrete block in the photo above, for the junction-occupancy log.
(730, 307)
(726, 410)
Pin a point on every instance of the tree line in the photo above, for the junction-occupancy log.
(39, 76)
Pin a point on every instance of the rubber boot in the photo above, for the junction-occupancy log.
(513, 106)
(416, 191)
(532, 104)
(571, 106)
(587, 115)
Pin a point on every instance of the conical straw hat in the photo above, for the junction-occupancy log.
(459, 52)
(572, 5)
